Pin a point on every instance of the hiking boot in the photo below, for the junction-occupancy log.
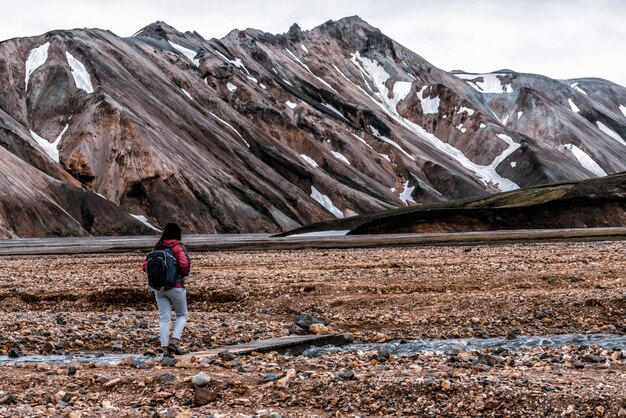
(174, 349)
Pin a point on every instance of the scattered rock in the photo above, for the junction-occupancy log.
(465, 356)
(383, 353)
(594, 359)
(489, 359)
(305, 320)
(297, 330)
(540, 315)
(345, 374)
(226, 355)
(270, 377)
(167, 377)
(118, 346)
(283, 383)
(47, 347)
(201, 379)
(8, 399)
(513, 334)
(15, 352)
(43, 367)
(319, 329)
(168, 361)
(58, 397)
(112, 382)
(203, 396)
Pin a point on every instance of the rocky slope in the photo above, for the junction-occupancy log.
(262, 132)
(594, 203)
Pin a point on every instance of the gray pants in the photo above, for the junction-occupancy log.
(166, 299)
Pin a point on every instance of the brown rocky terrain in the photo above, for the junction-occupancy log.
(257, 132)
(82, 303)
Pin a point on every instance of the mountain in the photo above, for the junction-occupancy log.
(593, 203)
(259, 132)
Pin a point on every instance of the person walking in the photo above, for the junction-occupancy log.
(172, 297)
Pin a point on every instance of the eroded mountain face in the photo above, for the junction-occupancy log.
(259, 132)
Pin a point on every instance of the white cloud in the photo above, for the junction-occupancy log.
(557, 38)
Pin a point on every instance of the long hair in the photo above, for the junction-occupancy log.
(171, 231)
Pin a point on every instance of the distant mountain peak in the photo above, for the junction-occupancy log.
(158, 29)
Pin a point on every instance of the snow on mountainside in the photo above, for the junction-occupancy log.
(261, 132)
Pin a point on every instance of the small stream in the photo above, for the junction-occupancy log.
(99, 358)
(521, 343)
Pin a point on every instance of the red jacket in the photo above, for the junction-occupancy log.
(181, 256)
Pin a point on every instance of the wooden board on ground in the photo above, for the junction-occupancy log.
(295, 344)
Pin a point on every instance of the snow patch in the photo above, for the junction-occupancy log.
(361, 140)
(304, 48)
(236, 62)
(585, 160)
(578, 89)
(385, 156)
(231, 127)
(341, 157)
(406, 195)
(333, 109)
(80, 74)
(623, 109)
(189, 53)
(325, 201)
(482, 125)
(389, 141)
(306, 67)
(430, 106)
(144, 221)
(231, 87)
(187, 93)
(573, 106)
(287, 82)
(426, 186)
(377, 74)
(263, 86)
(461, 128)
(610, 132)
(519, 115)
(36, 58)
(490, 83)
(513, 164)
(467, 110)
(253, 79)
(310, 161)
(291, 104)
(51, 149)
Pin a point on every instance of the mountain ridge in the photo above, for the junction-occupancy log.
(262, 132)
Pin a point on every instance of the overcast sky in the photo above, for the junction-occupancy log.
(557, 38)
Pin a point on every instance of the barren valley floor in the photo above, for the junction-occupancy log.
(84, 303)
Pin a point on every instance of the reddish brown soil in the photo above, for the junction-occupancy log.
(92, 302)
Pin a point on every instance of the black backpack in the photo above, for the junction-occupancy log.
(162, 268)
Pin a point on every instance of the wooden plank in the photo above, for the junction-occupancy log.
(294, 344)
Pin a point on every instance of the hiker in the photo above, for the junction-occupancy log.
(169, 291)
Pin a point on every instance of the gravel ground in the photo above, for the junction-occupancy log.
(61, 304)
